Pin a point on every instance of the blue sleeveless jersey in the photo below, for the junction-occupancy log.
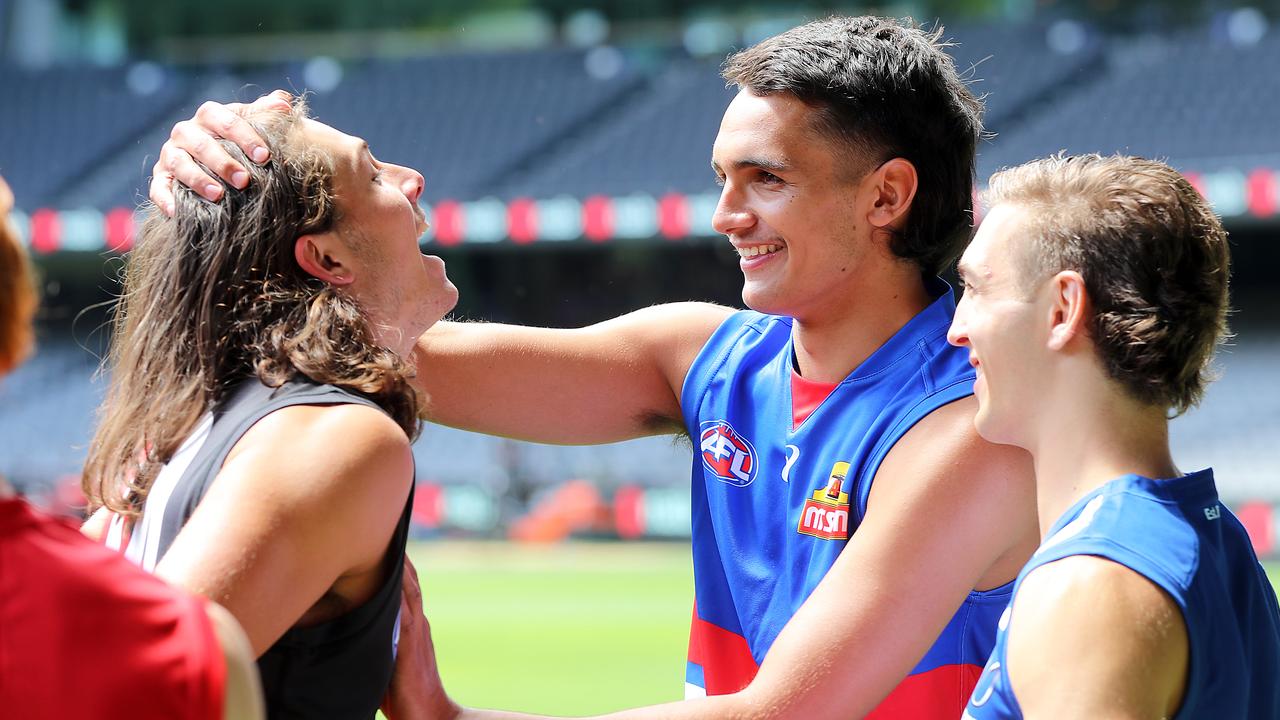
(1177, 534)
(773, 507)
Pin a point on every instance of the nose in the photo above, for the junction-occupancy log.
(731, 217)
(958, 333)
(411, 183)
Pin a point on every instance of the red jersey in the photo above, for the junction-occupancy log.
(86, 634)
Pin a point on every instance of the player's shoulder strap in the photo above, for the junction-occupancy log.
(247, 403)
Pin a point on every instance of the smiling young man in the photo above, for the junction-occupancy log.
(1096, 293)
(254, 446)
(852, 536)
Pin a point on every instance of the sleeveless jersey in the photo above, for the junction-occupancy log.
(1177, 534)
(774, 506)
(338, 669)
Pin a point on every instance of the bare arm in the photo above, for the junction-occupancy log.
(242, 699)
(268, 539)
(1090, 638)
(947, 507)
(612, 381)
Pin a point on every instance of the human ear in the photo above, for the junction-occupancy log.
(893, 187)
(1068, 309)
(322, 256)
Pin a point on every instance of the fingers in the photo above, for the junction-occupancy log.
(221, 121)
(412, 589)
(276, 100)
(193, 142)
(177, 160)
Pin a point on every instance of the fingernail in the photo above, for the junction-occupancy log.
(212, 191)
(259, 154)
(240, 179)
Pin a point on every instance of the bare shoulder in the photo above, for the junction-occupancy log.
(325, 447)
(1089, 635)
(944, 448)
(943, 475)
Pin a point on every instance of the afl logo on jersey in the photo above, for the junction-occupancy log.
(727, 455)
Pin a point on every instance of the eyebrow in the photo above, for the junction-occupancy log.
(767, 164)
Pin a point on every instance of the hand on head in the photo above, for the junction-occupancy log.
(189, 146)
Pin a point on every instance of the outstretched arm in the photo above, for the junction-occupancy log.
(949, 512)
(611, 381)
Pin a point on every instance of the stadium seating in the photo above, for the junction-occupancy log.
(1198, 102)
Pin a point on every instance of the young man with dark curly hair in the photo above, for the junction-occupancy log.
(1096, 293)
(853, 537)
(254, 446)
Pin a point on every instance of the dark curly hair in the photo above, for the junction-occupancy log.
(1153, 256)
(214, 295)
(883, 89)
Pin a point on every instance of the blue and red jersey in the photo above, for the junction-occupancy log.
(1177, 534)
(776, 495)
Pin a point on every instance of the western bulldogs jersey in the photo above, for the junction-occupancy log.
(773, 505)
(338, 669)
(1178, 535)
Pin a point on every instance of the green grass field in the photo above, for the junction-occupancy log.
(563, 629)
(571, 629)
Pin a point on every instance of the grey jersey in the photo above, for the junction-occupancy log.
(339, 669)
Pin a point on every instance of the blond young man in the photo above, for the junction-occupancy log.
(1096, 293)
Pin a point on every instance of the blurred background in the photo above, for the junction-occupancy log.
(566, 148)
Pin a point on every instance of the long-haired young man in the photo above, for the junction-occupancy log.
(254, 446)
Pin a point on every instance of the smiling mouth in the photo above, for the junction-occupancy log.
(750, 251)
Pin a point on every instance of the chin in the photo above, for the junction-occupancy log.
(994, 429)
(762, 300)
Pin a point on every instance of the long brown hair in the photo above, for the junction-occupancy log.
(214, 295)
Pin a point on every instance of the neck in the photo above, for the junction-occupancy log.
(1096, 433)
(832, 341)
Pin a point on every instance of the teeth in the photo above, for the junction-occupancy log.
(754, 250)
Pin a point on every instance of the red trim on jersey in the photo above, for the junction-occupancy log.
(942, 692)
(806, 396)
(727, 665)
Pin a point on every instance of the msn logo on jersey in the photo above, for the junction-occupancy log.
(826, 514)
(726, 454)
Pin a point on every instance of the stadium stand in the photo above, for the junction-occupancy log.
(86, 114)
(1198, 101)
(441, 114)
